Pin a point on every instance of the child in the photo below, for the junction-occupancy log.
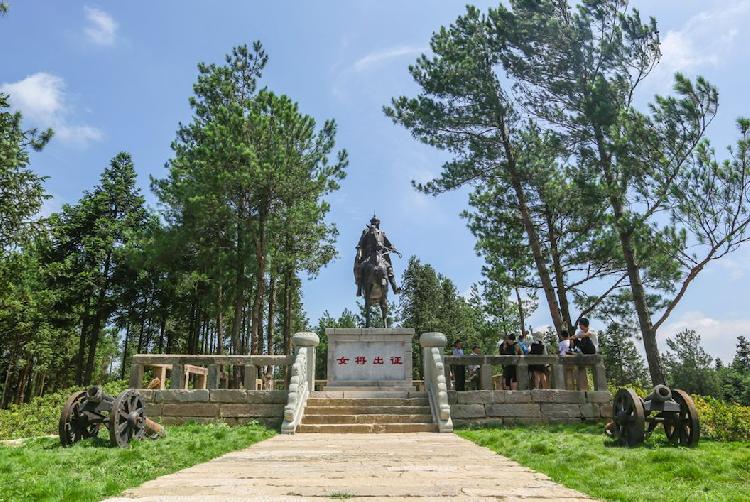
(564, 349)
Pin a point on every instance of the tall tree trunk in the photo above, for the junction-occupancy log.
(220, 323)
(162, 328)
(557, 270)
(98, 320)
(260, 257)
(21, 387)
(271, 312)
(142, 329)
(533, 236)
(287, 311)
(125, 350)
(521, 316)
(239, 294)
(85, 321)
(631, 265)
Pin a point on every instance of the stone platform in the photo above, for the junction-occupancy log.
(510, 407)
(356, 467)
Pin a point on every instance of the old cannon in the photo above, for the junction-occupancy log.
(674, 409)
(124, 416)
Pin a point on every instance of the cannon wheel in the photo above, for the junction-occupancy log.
(629, 418)
(684, 428)
(73, 426)
(127, 419)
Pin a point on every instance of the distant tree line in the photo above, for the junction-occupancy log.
(216, 269)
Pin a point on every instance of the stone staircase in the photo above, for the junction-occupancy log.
(367, 411)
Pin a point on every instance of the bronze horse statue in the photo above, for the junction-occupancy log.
(373, 269)
(375, 286)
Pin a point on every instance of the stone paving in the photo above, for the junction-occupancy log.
(355, 467)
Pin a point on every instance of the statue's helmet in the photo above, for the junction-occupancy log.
(375, 221)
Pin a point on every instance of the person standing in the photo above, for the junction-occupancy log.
(474, 369)
(459, 371)
(510, 375)
(539, 371)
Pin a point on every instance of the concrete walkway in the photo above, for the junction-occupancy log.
(350, 466)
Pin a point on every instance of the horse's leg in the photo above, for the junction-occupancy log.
(367, 307)
(384, 309)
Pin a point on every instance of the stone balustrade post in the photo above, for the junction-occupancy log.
(136, 376)
(435, 378)
(558, 375)
(600, 377)
(307, 341)
(213, 376)
(177, 376)
(251, 375)
(485, 375)
(522, 373)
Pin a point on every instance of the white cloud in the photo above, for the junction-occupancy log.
(101, 26)
(42, 100)
(378, 57)
(718, 336)
(705, 39)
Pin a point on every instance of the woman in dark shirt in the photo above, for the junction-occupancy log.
(538, 370)
(510, 348)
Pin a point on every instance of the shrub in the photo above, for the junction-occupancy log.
(723, 421)
(40, 416)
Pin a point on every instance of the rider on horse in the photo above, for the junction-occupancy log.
(372, 243)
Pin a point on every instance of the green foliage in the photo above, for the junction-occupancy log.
(624, 365)
(535, 103)
(346, 320)
(92, 470)
(39, 417)
(21, 190)
(580, 457)
(722, 420)
(688, 365)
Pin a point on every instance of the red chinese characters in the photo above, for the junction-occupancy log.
(377, 360)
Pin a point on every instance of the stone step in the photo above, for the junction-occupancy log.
(367, 410)
(366, 428)
(365, 419)
(414, 401)
(367, 394)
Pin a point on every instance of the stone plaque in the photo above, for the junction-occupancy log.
(369, 357)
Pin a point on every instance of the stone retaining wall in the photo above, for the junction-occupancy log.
(232, 406)
(488, 407)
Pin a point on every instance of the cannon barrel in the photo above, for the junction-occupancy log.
(661, 394)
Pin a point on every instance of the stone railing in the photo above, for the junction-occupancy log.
(176, 364)
(433, 345)
(302, 381)
(573, 368)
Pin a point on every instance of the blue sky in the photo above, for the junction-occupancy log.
(111, 76)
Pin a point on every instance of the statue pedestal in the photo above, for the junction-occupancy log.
(369, 359)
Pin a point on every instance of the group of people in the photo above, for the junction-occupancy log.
(584, 341)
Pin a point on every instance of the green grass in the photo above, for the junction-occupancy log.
(580, 457)
(91, 470)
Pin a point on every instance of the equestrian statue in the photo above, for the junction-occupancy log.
(373, 269)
